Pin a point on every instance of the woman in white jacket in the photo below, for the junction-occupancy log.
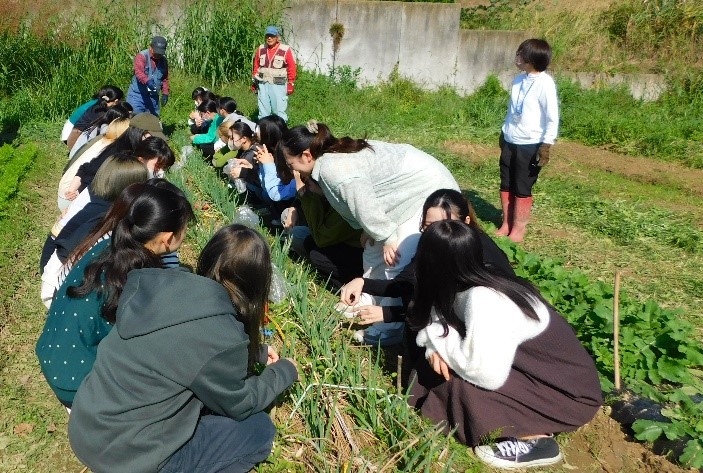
(500, 363)
(375, 186)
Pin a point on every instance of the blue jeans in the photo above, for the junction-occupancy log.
(221, 444)
(272, 100)
(143, 102)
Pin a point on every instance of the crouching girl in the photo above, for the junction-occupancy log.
(500, 363)
(172, 388)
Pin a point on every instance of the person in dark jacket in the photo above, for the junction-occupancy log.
(173, 387)
(117, 173)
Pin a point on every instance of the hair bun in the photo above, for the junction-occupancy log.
(311, 125)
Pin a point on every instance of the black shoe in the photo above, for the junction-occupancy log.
(514, 453)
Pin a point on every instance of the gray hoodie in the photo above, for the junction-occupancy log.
(175, 348)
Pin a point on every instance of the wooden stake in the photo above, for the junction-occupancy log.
(616, 330)
(399, 372)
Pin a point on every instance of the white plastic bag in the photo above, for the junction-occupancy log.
(246, 216)
(279, 285)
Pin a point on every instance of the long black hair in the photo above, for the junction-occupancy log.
(155, 147)
(451, 202)
(208, 106)
(271, 129)
(318, 138)
(239, 258)
(153, 211)
(108, 93)
(449, 260)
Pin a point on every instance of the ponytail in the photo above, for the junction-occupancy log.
(153, 211)
(318, 138)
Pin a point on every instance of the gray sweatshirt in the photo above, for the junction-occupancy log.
(380, 188)
(175, 348)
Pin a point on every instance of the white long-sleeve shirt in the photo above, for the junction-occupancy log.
(533, 111)
(495, 327)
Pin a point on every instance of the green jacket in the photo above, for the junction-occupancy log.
(326, 225)
(211, 135)
(220, 158)
(176, 348)
(69, 342)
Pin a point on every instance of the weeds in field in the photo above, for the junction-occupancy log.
(14, 162)
(216, 40)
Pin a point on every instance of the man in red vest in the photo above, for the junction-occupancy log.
(274, 75)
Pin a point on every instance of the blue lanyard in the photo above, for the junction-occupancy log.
(518, 105)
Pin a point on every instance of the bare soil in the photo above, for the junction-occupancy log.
(603, 446)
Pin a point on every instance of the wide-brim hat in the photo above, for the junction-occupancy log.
(148, 122)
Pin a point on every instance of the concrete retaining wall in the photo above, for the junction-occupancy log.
(423, 42)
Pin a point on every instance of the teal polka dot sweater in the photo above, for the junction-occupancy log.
(74, 327)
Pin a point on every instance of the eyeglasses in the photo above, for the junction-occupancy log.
(270, 36)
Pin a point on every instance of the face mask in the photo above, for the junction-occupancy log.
(234, 145)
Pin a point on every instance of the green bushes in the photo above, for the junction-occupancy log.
(669, 128)
(663, 27)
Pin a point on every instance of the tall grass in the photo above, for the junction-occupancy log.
(46, 73)
(217, 39)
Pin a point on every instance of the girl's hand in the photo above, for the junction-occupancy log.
(72, 191)
(439, 365)
(369, 314)
(234, 173)
(192, 137)
(263, 155)
(351, 291)
(391, 255)
(243, 163)
(272, 355)
(299, 183)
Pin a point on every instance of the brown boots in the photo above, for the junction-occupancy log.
(516, 214)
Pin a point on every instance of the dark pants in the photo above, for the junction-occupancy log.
(340, 263)
(518, 167)
(208, 149)
(221, 444)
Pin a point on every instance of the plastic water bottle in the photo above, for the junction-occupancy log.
(185, 152)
